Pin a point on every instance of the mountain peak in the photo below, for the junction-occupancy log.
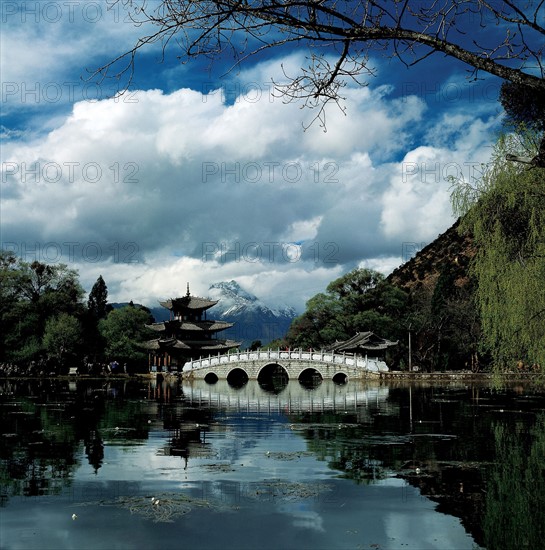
(253, 319)
(230, 289)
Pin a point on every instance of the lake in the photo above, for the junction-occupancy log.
(123, 464)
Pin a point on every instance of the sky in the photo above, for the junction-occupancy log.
(195, 175)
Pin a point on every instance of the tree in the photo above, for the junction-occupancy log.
(505, 213)
(98, 299)
(62, 336)
(340, 36)
(97, 309)
(8, 299)
(123, 330)
(522, 106)
(30, 294)
(358, 301)
(525, 109)
(321, 324)
(255, 345)
(50, 287)
(444, 322)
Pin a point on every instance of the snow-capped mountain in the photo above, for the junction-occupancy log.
(253, 319)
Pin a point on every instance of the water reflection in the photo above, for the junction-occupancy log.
(515, 491)
(273, 378)
(256, 397)
(94, 449)
(316, 456)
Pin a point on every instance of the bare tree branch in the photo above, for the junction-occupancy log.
(406, 29)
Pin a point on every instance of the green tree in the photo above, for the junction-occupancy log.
(255, 345)
(50, 289)
(62, 337)
(444, 322)
(97, 303)
(123, 330)
(97, 309)
(321, 323)
(358, 301)
(8, 301)
(30, 294)
(522, 106)
(505, 213)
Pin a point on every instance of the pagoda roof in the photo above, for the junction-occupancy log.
(191, 326)
(163, 343)
(188, 302)
(195, 345)
(217, 345)
(363, 342)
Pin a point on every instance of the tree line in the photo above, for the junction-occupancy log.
(439, 318)
(47, 326)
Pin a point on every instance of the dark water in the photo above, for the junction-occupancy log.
(351, 467)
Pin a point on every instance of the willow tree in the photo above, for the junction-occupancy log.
(505, 212)
(503, 38)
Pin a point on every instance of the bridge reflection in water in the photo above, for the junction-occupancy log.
(293, 398)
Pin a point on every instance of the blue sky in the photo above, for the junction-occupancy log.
(180, 181)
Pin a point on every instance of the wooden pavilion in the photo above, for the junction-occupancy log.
(363, 343)
(188, 334)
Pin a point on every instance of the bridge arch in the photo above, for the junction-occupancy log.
(237, 377)
(340, 378)
(310, 377)
(211, 377)
(273, 377)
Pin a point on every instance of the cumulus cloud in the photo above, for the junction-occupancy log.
(155, 189)
(49, 52)
(417, 201)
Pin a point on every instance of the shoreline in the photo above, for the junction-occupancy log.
(464, 375)
(391, 376)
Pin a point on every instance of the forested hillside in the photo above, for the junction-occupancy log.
(430, 296)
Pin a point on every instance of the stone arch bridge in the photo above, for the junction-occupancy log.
(296, 364)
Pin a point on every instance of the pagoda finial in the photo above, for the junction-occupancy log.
(188, 290)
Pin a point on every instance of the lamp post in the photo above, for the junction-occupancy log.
(410, 355)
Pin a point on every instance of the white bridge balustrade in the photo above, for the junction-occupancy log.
(294, 362)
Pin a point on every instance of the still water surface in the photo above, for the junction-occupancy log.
(138, 465)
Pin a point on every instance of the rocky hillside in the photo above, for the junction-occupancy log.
(448, 252)
(441, 311)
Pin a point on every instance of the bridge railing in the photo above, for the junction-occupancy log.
(370, 364)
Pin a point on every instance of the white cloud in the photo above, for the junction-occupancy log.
(49, 47)
(384, 264)
(417, 202)
(200, 191)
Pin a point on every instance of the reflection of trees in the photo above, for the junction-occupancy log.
(515, 498)
(458, 488)
(445, 452)
(94, 449)
(44, 422)
(37, 456)
(378, 439)
(337, 439)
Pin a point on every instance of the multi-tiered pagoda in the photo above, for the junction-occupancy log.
(187, 335)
